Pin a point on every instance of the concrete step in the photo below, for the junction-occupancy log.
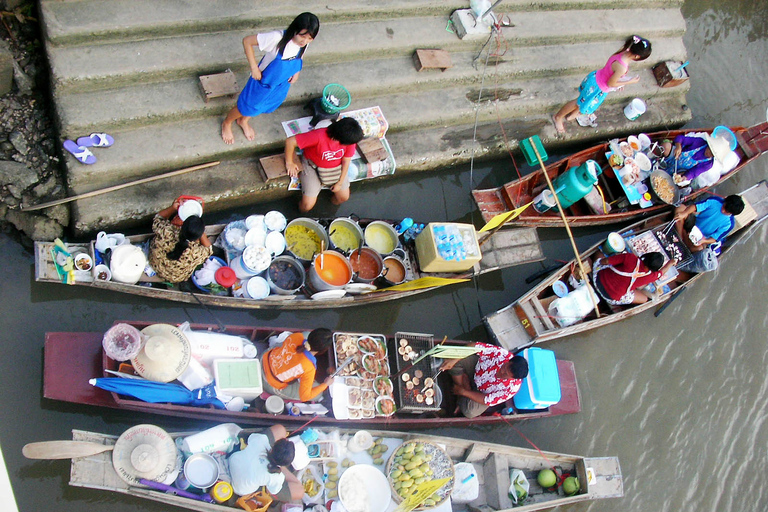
(145, 104)
(93, 67)
(148, 150)
(236, 183)
(84, 21)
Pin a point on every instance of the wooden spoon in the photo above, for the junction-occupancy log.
(50, 450)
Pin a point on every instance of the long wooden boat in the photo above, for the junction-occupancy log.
(752, 142)
(598, 477)
(527, 321)
(72, 358)
(502, 250)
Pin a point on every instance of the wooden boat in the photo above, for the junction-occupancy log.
(527, 321)
(752, 142)
(502, 250)
(72, 358)
(598, 477)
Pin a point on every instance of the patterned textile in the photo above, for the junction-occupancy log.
(491, 358)
(591, 96)
(166, 237)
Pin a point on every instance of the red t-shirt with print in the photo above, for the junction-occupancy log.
(322, 150)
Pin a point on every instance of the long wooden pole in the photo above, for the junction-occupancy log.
(565, 222)
(118, 187)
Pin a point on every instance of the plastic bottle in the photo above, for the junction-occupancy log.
(404, 225)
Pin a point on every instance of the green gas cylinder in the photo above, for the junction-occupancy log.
(576, 182)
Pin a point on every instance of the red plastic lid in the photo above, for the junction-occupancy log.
(225, 276)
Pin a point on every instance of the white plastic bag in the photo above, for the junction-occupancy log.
(518, 487)
(467, 486)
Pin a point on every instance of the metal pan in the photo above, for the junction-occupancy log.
(661, 175)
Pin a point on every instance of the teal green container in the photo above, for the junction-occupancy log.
(526, 146)
(576, 182)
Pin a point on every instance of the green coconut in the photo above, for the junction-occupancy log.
(547, 478)
(571, 486)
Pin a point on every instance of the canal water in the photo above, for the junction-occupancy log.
(681, 399)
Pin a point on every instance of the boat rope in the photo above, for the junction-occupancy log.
(561, 476)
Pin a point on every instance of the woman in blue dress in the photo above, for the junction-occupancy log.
(271, 78)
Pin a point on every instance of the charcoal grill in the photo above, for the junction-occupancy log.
(406, 399)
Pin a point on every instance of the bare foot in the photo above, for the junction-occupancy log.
(226, 133)
(247, 130)
(558, 124)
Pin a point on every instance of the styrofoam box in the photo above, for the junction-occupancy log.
(541, 388)
(429, 257)
(239, 377)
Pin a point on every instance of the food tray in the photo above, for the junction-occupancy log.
(405, 397)
(673, 246)
(345, 346)
(440, 464)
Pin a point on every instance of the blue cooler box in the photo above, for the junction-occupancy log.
(541, 388)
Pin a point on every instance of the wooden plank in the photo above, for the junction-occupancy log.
(510, 247)
(218, 85)
(432, 59)
(543, 314)
(273, 167)
(372, 150)
(496, 475)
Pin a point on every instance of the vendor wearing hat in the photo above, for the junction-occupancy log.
(289, 369)
(691, 156)
(175, 252)
(265, 462)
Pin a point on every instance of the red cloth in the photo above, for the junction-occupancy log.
(617, 286)
(322, 150)
(490, 360)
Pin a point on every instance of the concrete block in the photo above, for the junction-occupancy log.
(6, 68)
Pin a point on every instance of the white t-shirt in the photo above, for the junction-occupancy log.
(248, 468)
(268, 44)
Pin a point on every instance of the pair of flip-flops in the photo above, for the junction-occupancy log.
(80, 149)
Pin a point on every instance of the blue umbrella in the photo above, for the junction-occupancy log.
(159, 392)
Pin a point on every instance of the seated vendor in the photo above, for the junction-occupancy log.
(175, 252)
(289, 369)
(693, 156)
(713, 218)
(489, 377)
(327, 155)
(265, 462)
(618, 278)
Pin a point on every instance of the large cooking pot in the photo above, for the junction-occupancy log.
(662, 179)
(394, 270)
(345, 234)
(329, 270)
(381, 237)
(305, 237)
(367, 265)
(285, 275)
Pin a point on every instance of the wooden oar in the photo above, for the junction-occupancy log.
(50, 450)
(669, 301)
(117, 187)
(565, 222)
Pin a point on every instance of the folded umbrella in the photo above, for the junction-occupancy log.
(159, 392)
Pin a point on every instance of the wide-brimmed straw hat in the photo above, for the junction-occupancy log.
(165, 355)
(145, 451)
(720, 144)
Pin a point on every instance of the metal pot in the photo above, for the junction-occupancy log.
(354, 261)
(655, 176)
(349, 224)
(312, 225)
(276, 276)
(381, 237)
(330, 270)
(394, 270)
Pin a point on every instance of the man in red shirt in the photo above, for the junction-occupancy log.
(327, 155)
(491, 376)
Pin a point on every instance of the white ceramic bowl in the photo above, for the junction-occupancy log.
(275, 221)
(642, 161)
(645, 141)
(190, 207)
(102, 273)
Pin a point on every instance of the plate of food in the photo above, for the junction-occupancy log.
(383, 385)
(385, 406)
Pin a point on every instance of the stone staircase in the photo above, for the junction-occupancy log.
(131, 67)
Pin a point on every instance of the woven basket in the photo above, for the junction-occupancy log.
(434, 450)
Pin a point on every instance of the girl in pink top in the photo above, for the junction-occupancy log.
(598, 83)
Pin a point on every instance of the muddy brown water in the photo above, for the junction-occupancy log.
(681, 399)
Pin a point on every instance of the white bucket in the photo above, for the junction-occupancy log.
(256, 288)
(545, 201)
(635, 109)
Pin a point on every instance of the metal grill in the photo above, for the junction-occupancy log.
(406, 398)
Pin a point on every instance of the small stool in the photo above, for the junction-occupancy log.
(219, 84)
(315, 106)
(432, 59)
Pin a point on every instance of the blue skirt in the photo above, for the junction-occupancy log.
(590, 95)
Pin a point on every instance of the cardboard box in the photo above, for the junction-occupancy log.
(429, 254)
(668, 73)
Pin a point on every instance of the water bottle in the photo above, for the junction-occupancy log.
(404, 225)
